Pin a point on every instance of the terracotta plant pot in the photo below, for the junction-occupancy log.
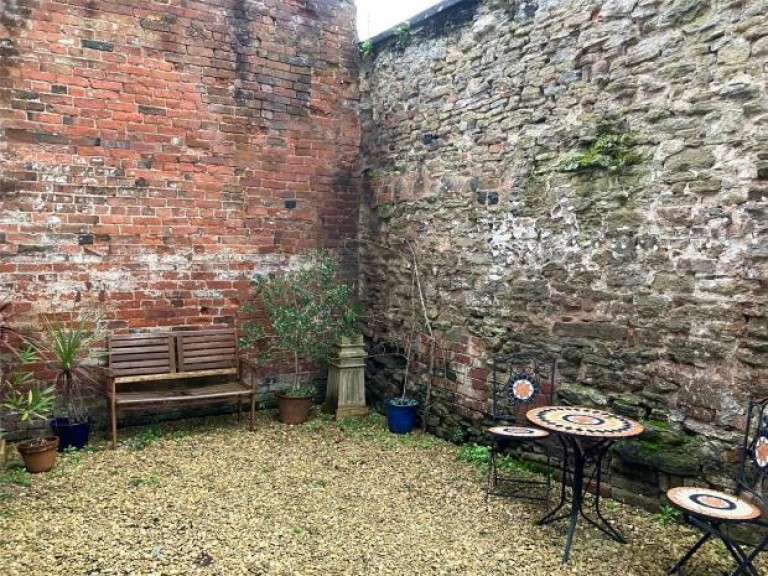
(293, 409)
(37, 456)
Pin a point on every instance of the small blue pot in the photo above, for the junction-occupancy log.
(71, 435)
(400, 419)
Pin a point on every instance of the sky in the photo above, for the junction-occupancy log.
(374, 16)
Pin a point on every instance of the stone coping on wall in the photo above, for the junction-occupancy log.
(417, 19)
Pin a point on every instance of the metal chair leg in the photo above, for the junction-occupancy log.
(709, 529)
(513, 485)
(733, 547)
(706, 536)
(491, 480)
(747, 563)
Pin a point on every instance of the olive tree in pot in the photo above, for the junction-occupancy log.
(307, 308)
(67, 347)
(25, 398)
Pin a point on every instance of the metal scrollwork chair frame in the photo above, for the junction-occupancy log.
(519, 382)
(712, 511)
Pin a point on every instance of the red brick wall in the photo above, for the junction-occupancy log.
(190, 142)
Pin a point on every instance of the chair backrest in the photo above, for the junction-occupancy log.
(753, 466)
(520, 382)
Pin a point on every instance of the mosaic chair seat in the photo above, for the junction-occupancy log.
(714, 512)
(520, 382)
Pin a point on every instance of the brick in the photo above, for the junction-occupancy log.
(152, 110)
(27, 105)
(106, 85)
(101, 45)
(26, 95)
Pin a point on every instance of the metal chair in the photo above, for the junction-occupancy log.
(520, 382)
(713, 512)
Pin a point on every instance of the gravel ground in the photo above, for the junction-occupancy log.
(207, 497)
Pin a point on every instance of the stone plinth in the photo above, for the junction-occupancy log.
(345, 394)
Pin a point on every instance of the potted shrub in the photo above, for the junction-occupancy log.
(307, 309)
(401, 410)
(11, 341)
(68, 345)
(30, 401)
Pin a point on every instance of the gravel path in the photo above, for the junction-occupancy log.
(206, 497)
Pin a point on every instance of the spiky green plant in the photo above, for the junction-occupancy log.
(68, 345)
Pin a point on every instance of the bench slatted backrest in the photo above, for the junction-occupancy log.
(207, 350)
(136, 355)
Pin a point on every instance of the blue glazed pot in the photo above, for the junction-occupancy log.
(74, 435)
(400, 419)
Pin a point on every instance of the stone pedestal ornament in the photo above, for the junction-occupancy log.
(346, 379)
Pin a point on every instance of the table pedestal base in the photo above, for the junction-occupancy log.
(582, 455)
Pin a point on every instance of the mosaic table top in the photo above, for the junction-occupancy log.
(581, 421)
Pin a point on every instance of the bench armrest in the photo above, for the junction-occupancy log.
(252, 367)
(105, 377)
(107, 371)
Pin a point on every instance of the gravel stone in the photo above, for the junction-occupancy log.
(208, 497)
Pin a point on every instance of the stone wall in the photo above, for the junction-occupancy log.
(590, 178)
(154, 155)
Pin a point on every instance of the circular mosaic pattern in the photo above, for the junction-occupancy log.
(523, 388)
(713, 504)
(584, 422)
(518, 432)
(761, 452)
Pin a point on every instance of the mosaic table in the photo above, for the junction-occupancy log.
(586, 435)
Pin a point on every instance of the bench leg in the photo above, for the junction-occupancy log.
(253, 409)
(239, 410)
(113, 421)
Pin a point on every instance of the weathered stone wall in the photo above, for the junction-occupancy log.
(155, 154)
(648, 279)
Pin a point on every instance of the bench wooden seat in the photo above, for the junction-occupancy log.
(184, 362)
(228, 390)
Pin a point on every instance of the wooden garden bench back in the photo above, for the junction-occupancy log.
(192, 358)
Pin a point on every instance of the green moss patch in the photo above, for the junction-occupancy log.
(611, 152)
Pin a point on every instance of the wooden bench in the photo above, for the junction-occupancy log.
(175, 358)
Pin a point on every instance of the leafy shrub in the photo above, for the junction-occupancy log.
(307, 309)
